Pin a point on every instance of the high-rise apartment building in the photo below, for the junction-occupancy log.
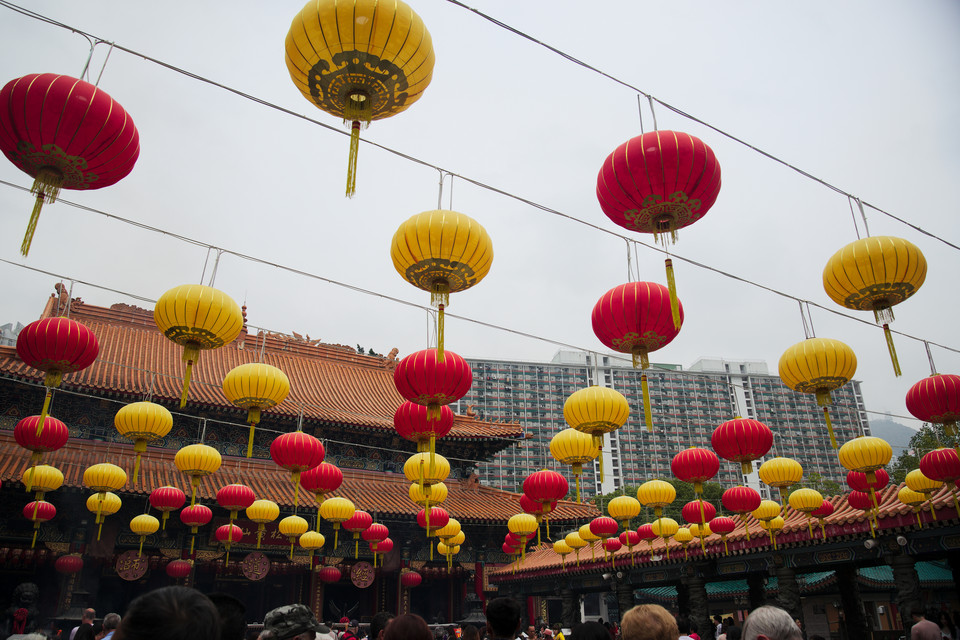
(688, 404)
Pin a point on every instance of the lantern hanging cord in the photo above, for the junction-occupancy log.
(400, 154)
(854, 217)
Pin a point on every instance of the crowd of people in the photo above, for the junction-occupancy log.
(186, 614)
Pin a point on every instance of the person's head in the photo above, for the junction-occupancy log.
(353, 626)
(470, 632)
(503, 617)
(292, 621)
(556, 627)
(88, 615)
(770, 623)
(233, 625)
(717, 619)
(683, 625)
(589, 631)
(170, 612)
(408, 626)
(728, 622)
(111, 621)
(648, 622)
(735, 633)
(531, 630)
(378, 624)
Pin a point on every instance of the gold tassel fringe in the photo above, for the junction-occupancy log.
(647, 409)
(892, 349)
(672, 287)
(46, 186)
(833, 439)
(352, 159)
(440, 334)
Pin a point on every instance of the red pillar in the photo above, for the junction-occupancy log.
(478, 582)
(531, 610)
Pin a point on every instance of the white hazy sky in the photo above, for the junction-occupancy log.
(862, 94)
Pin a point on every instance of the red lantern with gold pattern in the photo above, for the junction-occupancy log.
(178, 569)
(227, 535)
(28, 435)
(943, 465)
(66, 134)
(381, 548)
(741, 500)
(646, 533)
(39, 511)
(438, 519)
(742, 440)
(546, 488)
(296, 452)
(860, 500)
(826, 509)
(72, 563)
(410, 579)
(234, 498)
(723, 525)
(195, 516)
(692, 514)
(411, 422)
(329, 574)
(857, 480)
(357, 524)
(936, 399)
(423, 379)
(166, 499)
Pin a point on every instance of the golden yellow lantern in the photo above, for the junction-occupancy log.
(144, 525)
(262, 512)
(806, 501)
(103, 504)
(781, 473)
(292, 527)
(255, 387)
(767, 511)
(197, 461)
(523, 525)
(426, 470)
(700, 532)
(448, 551)
(562, 549)
(623, 509)
(335, 511)
(913, 499)
(596, 411)
(360, 60)
(428, 495)
(575, 542)
(818, 366)
(773, 526)
(684, 537)
(922, 484)
(449, 530)
(442, 252)
(42, 479)
(311, 541)
(873, 274)
(573, 447)
(665, 528)
(197, 317)
(104, 478)
(142, 422)
(656, 494)
(866, 454)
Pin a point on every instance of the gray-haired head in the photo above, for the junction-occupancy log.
(111, 621)
(770, 623)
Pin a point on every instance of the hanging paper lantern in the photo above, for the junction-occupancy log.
(781, 473)
(942, 465)
(623, 509)
(873, 274)
(723, 526)
(292, 527)
(178, 569)
(857, 480)
(773, 526)
(596, 411)
(68, 564)
(441, 252)
(54, 435)
(103, 478)
(818, 366)
(917, 481)
(426, 470)
(588, 536)
(806, 501)
(166, 499)
(426, 379)
(410, 578)
(357, 524)
(611, 546)
(523, 525)
(38, 511)
(234, 498)
(383, 547)
(374, 69)
(329, 574)
(826, 509)
(701, 531)
(197, 317)
(143, 526)
(913, 499)
(56, 346)
(692, 515)
(410, 421)
(604, 528)
(142, 422)
(862, 501)
(767, 511)
(451, 531)
(431, 494)
(41, 480)
(573, 447)
(866, 454)
(262, 512)
(66, 134)
(645, 531)
(656, 494)
(741, 500)
(742, 440)
(635, 318)
(657, 183)
(936, 399)
(665, 528)
(575, 542)
(546, 488)
(436, 518)
(103, 504)
(375, 532)
(194, 516)
(296, 452)
(562, 549)
(536, 509)
(336, 510)
(197, 461)
(311, 541)
(320, 480)
(696, 466)
(684, 537)
(629, 539)
(255, 387)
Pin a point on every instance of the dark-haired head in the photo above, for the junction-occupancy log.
(408, 626)
(233, 625)
(503, 617)
(170, 612)
(379, 624)
(470, 632)
(589, 631)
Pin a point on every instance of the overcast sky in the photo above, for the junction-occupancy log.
(862, 94)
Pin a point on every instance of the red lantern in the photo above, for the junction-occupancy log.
(695, 465)
(56, 346)
(692, 514)
(411, 422)
(741, 500)
(69, 564)
(611, 546)
(723, 525)
(742, 440)
(545, 487)
(857, 480)
(635, 318)
(383, 547)
(410, 579)
(376, 532)
(513, 540)
(943, 465)
(177, 569)
(423, 379)
(329, 574)
(320, 480)
(645, 531)
(165, 500)
(936, 399)
(228, 534)
(438, 519)
(860, 500)
(28, 435)
(357, 524)
(234, 498)
(629, 539)
(296, 452)
(39, 511)
(826, 509)
(604, 527)
(509, 549)
(196, 516)
(65, 133)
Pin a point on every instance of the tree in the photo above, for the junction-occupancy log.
(928, 438)
(825, 486)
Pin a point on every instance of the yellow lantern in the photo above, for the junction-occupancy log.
(700, 532)
(684, 537)
(262, 512)
(912, 499)
(103, 504)
(656, 494)
(596, 411)
(523, 525)
(665, 528)
(197, 317)
(197, 461)
(873, 274)
(144, 525)
(311, 541)
(360, 60)
(818, 366)
(806, 501)
(255, 387)
(574, 447)
(335, 511)
(767, 511)
(866, 454)
(428, 495)
(292, 527)
(922, 484)
(450, 530)
(773, 526)
(562, 549)
(441, 252)
(42, 479)
(142, 422)
(575, 542)
(426, 470)
(623, 509)
(781, 473)
(103, 478)
(448, 551)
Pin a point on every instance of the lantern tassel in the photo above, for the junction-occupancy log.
(36, 530)
(919, 521)
(336, 535)
(826, 417)
(440, 333)
(356, 550)
(226, 562)
(163, 520)
(45, 410)
(295, 478)
(352, 159)
(192, 539)
(318, 513)
(259, 534)
(726, 551)
(186, 384)
(291, 548)
(672, 287)
(892, 349)
(810, 526)
(576, 478)
(140, 552)
(823, 531)
(598, 443)
(933, 512)
(746, 467)
(194, 483)
(136, 468)
(46, 186)
(647, 409)
(32, 225)
(253, 426)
